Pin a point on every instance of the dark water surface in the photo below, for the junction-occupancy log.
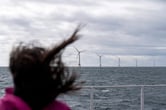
(112, 98)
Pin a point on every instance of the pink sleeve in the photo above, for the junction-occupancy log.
(5, 105)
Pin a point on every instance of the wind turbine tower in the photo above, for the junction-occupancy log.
(119, 62)
(100, 56)
(154, 63)
(79, 56)
(136, 62)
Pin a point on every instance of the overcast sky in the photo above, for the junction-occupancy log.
(125, 29)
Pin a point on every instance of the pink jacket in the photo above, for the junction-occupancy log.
(12, 102)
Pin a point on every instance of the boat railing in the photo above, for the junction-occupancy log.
(121, 86)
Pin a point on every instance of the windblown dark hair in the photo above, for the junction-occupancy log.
(39, 73)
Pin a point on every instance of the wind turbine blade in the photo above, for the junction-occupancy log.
(76, 49)
(82, 51)
(99, 55)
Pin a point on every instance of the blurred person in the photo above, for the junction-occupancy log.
(39, 77)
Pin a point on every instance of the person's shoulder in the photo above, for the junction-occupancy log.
(11, 102)
(58, 105)
(5, 104)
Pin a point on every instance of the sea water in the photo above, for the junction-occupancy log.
(126, 98)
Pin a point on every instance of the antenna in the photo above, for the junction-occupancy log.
(79, 56)
(100, 56)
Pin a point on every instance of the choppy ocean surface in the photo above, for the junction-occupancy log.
(112, 98)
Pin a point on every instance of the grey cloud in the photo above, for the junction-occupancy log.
(17, 24)
(141, 33)
(71, 2)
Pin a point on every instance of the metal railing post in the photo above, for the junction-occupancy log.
(91, 98)
(142, 97)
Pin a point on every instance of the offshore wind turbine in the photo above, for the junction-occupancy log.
(136, 62)
(79, 56)
(100, 56)
(119, 62)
